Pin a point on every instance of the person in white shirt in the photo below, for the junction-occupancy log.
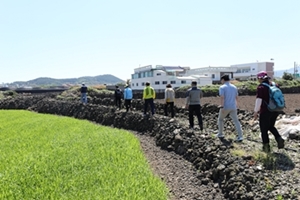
(169, 100)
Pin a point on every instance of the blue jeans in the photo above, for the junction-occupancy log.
(83, 98)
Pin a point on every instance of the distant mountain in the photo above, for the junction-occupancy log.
(279, 73)
(88, 80)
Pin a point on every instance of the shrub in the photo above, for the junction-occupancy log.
(11, 93)
(287, 76)
(1, 95)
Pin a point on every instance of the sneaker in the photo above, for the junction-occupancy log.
(220, 135)
(239, 140)
(280, 143)
(266, 148)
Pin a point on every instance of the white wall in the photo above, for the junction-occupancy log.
(209, 71)
(202, 81)
(254, 69)
(164, 77)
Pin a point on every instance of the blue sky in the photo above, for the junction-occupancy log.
(69, 39)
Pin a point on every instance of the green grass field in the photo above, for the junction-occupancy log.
(53, 157)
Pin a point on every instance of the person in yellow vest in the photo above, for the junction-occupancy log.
(169, 99)
(149, 96)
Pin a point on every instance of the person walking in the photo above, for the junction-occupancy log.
(228, 106)
(127, 97)
(193, 97)
(267, 118)
(169, 99)
(118, 96)
(83, 91)
(149, 96)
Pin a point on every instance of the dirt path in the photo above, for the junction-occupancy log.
(247, 102)
(179, 174)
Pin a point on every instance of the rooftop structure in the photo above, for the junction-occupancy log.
(159, 76)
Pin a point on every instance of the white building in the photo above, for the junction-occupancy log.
(214, 72)
(250, 70)
(159, 76)
(239, 71)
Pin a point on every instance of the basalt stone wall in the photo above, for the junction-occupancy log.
(209, 112)
(237, 177)
(242, 92)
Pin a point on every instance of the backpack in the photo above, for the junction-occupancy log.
(118, 93)
(276, 100)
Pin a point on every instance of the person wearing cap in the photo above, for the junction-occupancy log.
(267, 119)
(149, 96)
(193, 97)
(169, 99)
(83, 91)
(228, 106)
(127, 97)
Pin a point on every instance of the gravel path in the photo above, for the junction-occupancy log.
(179, 174)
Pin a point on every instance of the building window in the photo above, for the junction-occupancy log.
(150, 74)
(137, 84)
(213, 76)
(183, 82)
(135, 76)
(173, 82)
(143, 83)
(156, 82)
(245, 70)
(132, 84)
(165, 82)
(253, 69)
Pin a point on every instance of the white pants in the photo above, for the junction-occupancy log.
(233, 114)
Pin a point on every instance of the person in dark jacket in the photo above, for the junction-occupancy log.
(83, 91)
(193, 104)
(267, 119)
(118, 96)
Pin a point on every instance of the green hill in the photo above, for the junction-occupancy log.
(89, 80)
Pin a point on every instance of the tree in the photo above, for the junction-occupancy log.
(287, 76)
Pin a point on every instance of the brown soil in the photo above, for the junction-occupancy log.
(247, 102)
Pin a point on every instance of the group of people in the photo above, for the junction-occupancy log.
(228, 106)
(126, 95)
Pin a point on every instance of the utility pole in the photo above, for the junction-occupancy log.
(294, 70)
